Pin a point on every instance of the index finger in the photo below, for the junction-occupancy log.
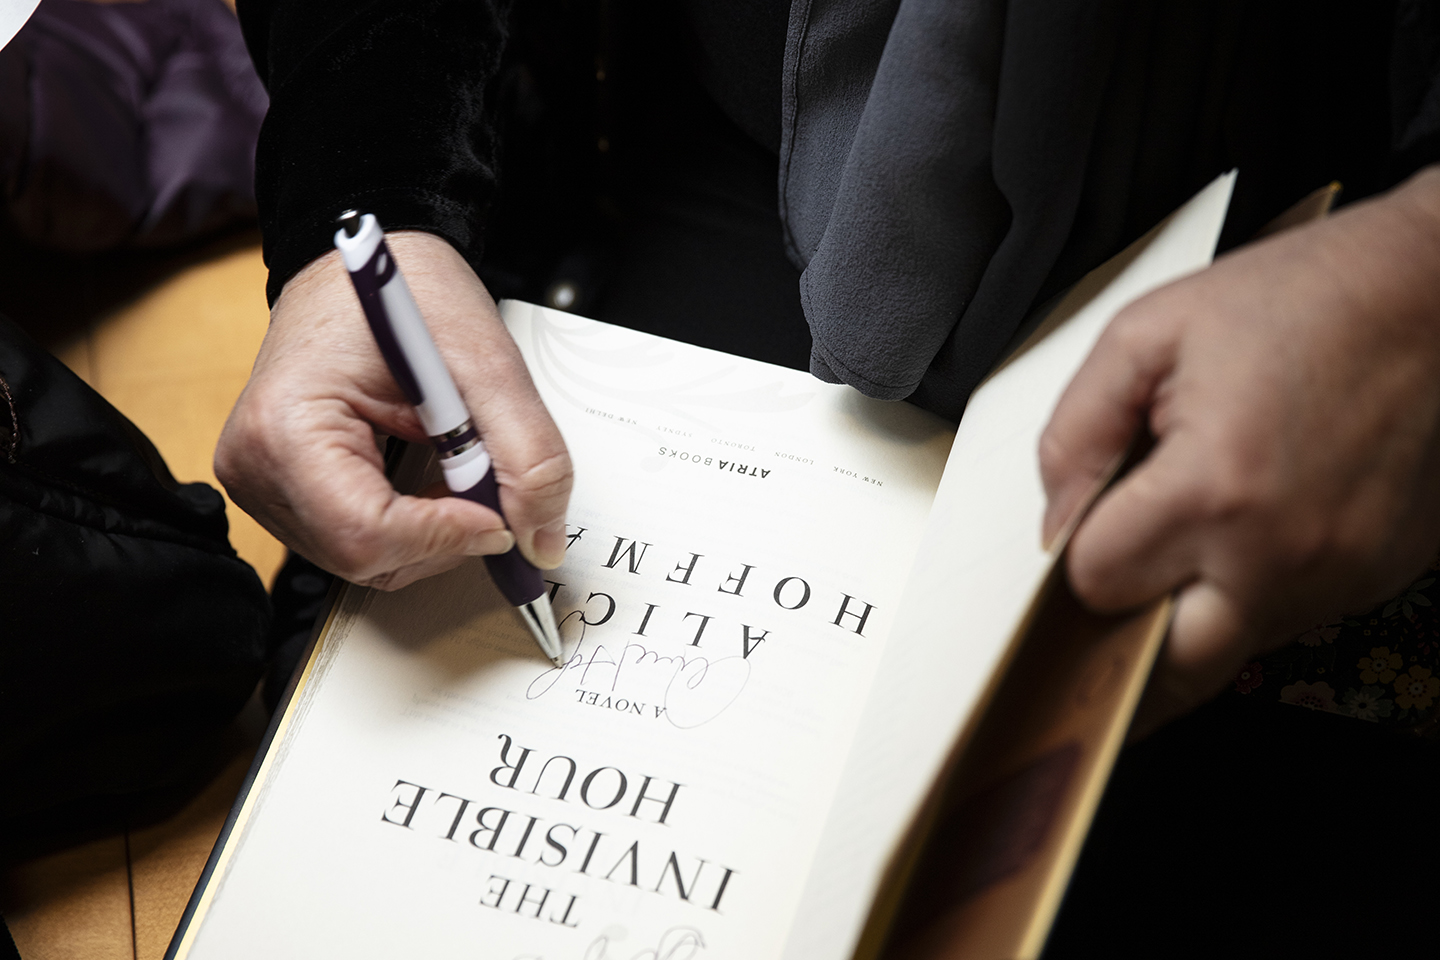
(1102, 411)
(532, 465)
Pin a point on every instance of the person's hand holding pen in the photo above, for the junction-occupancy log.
(298, 452)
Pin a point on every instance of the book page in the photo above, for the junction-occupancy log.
(740, 535)
(976, 575)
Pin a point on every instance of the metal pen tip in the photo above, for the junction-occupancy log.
(540, 618)
(349, 222)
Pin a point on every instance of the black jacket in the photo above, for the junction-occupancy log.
(404, 106)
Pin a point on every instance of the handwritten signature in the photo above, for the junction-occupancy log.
(677, 943)
(691, 690)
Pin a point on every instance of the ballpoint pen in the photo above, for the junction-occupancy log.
(410, 353)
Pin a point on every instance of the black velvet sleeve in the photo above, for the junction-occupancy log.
(379, 105)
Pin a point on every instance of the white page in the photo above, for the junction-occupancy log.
(13, 15)
(693, 453)
(976, 572)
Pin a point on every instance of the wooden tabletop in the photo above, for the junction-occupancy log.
(172, 357)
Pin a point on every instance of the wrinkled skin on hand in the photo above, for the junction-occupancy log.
(298, 452)
(1293, 390)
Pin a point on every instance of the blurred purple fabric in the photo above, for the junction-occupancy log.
(127, 124)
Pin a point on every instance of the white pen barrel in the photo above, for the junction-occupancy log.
(440, 407)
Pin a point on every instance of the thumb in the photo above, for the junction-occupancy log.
(334, 505)
(423, 535)
(1205, 648)
(1101, 412)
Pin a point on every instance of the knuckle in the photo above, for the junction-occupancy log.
(1133, 330)
(1270, 525)
(377, 552)
(1311, 540)
(1301, 548)
(1091, 584)
(230, 462)
(1225, 496)
(358, 556)
(1093, 570)
(550, 479)
(1231, 487)
(1147, 330)
(226, 465)
(246, 425)
(1126, 329)
(1057, 460)
(242, 451)
(1355, 542)
(389, 581)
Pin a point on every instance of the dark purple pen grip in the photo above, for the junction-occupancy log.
(368, 281)
(516, 577)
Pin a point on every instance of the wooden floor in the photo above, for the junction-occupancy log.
(120, 897)
(172, 356)
(175, 359)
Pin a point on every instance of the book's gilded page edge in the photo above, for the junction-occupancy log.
(1208, 205)
(906, 858)
(1075, 827)
(893, 888)
(266, 757)
(1078, 826)
(1009, 916)
(1314, 206)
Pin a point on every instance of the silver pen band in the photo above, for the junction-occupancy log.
(452, 443)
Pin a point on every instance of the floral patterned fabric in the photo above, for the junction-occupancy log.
(1381, 666)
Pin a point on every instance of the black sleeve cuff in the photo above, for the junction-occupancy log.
(288, 250)
(378, 106)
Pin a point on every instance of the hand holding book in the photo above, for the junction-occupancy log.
(1293, 389)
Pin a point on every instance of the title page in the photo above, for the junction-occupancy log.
(740, 535)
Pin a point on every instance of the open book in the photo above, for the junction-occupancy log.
(788, 612)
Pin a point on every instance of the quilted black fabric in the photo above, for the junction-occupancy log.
(130, 632)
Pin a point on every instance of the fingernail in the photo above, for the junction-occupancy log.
(549, 545)
(1063, 531)
(496, 541)
(1051, 528)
